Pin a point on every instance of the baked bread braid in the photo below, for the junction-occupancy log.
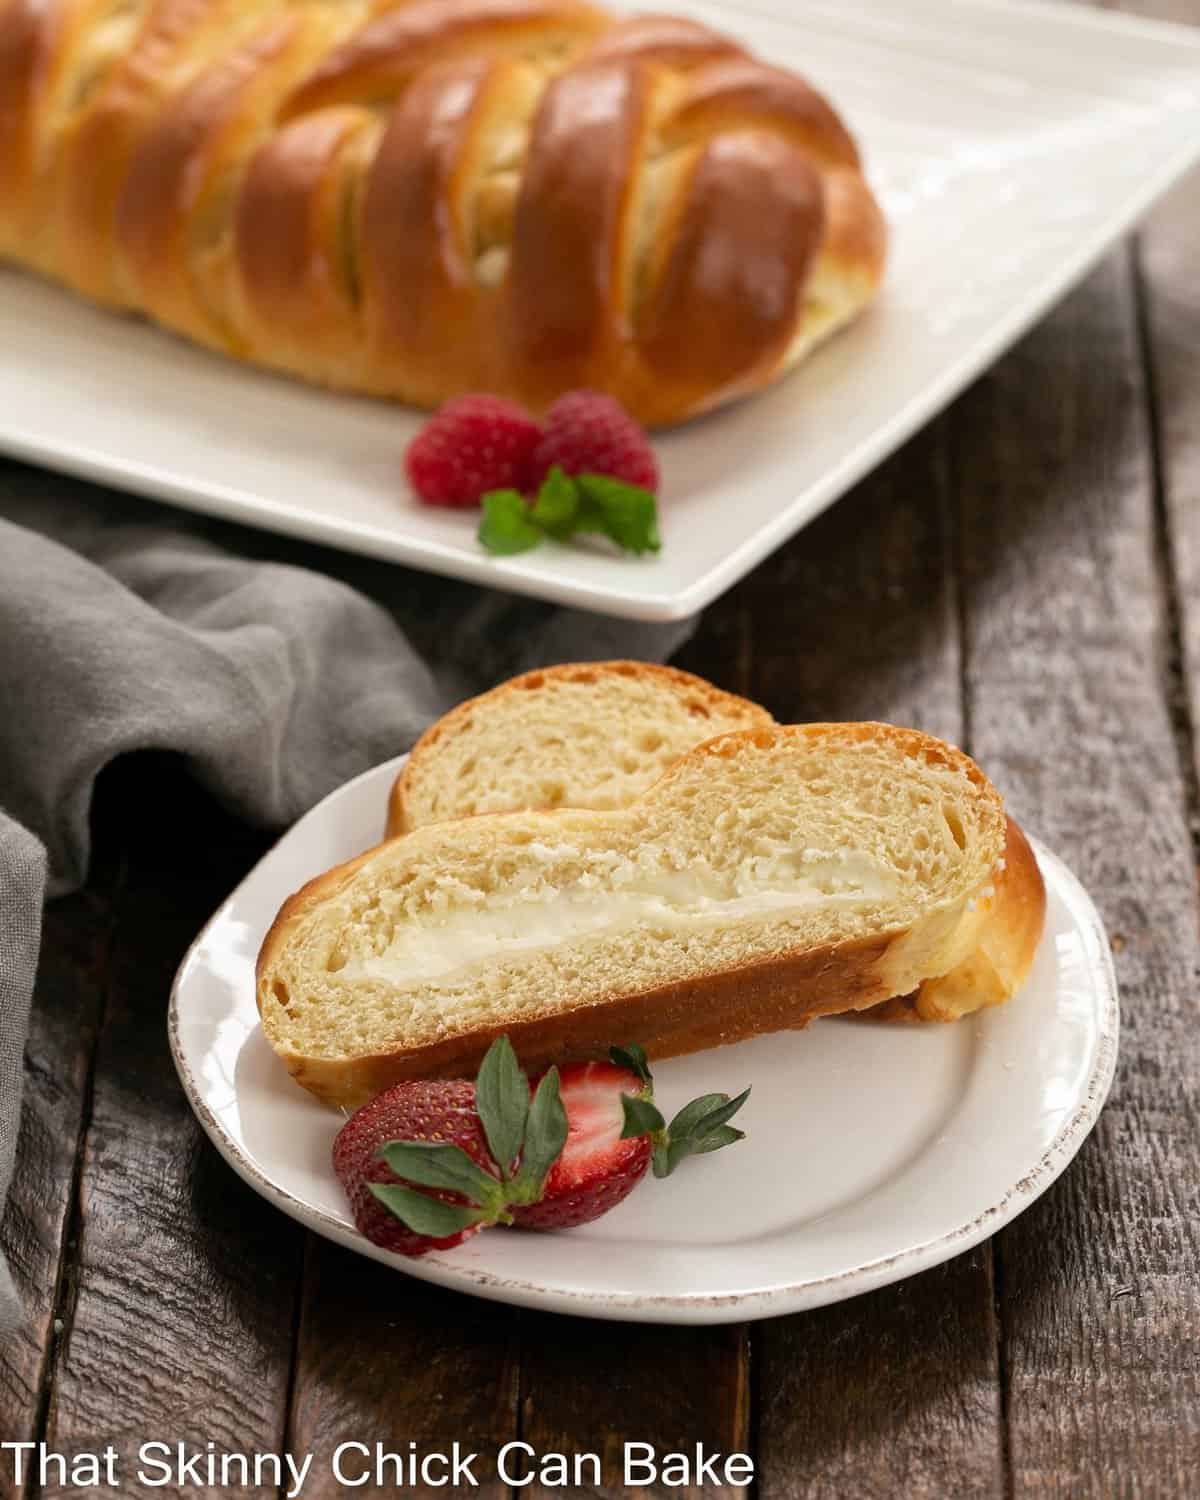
(415, 198)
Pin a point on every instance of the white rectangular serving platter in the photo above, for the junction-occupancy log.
(1011, 143)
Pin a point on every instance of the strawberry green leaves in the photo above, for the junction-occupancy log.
(642, 1117)
(428, 1164)
(633, 1057)
(545, 1136)
(426, 1215)
(525, 1140)
(503, 1169)
(515, 1128)
(502, 1102)
(567, 506)
(699, 1127)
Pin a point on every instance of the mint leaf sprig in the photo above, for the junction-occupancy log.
(567, 506)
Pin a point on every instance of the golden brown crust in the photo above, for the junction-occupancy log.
(24, 44)
(416, 199)
(416, 230)
(573, 231)
(701, 699)
(377, 60)
(89, 155)
(40, 44)
(856, 236)
(286, 234)
(777, 995)
(171, 176)
(670, 41)
(912, 742)
(740, 93)
(745, 231)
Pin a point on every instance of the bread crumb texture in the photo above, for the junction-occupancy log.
(593, 735)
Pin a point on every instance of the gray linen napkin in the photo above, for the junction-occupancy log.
(277, 669)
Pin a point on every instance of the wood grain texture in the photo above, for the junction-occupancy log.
(893, 1394)
(384, 1359)
(856, 618)
(184, 1283)
(1171, 309)
(68, 1004)
(1066, 678)
(592, 1387)
(896, 1393)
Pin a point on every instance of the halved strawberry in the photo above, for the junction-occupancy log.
(614, 1132)
(600, 1165)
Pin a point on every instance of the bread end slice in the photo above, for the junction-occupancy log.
(586, 734)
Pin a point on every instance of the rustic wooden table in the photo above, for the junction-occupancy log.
(1024, 578)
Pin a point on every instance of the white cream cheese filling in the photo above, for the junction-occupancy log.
(435, 946)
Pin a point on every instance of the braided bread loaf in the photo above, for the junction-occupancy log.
(420, 197)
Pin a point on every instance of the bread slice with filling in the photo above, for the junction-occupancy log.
(599, 734)
(587, 734)
(771, 875)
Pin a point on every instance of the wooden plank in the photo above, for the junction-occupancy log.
(1172, 322)
(185, 1283)
(857, 617)
(1170, 310)
(384, 1359)
(1069, 712)
(896, 1393)
(68, 1004)
(722, 647)
(589, 1388)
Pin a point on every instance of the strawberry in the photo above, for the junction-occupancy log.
(472, 445)
(427, 1164)
(419, 1111)
(586, 432)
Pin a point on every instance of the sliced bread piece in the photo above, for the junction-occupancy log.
(598, 734)
(591, 734)
(771, 875)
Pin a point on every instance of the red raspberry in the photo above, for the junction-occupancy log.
(586, 432)
(472, 445)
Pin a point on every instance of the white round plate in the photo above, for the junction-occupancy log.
(872, 1151)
